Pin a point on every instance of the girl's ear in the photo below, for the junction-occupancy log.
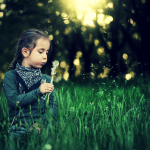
(25, 52)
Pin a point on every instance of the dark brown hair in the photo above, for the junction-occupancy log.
(28, 40)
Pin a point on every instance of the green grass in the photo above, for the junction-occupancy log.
(98, 115)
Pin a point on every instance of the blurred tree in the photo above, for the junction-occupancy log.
(138, 31)
(59, 19)
(19, 16)
(111, 38)
(74, 40)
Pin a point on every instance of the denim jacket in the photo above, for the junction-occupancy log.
(31, 105)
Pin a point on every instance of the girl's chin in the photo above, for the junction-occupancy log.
(37, 67)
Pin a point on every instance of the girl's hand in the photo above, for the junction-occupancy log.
(35, 125)
(46, 88)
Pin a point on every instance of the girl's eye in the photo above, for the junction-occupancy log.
(41, 53)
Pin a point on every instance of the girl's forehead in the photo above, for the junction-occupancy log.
(41, 40)
(45, 43)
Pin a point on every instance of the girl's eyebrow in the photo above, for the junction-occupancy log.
(43, 49)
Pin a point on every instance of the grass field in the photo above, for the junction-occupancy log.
(96, 115)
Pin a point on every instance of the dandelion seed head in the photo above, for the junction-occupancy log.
(55, 65)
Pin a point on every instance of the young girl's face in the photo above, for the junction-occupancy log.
(38, 56)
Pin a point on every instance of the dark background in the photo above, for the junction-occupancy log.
(128, 33)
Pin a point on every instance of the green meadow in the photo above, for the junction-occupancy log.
(106, 114)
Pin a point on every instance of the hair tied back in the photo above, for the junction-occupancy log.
(29, 33)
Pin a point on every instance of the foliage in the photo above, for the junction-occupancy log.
(125, 34)
(100, 115)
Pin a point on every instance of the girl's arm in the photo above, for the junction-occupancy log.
(13, 96)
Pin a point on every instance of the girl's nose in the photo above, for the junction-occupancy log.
(45, 57)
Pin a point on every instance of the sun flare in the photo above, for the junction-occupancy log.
(86, 11)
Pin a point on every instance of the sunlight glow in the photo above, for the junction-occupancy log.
(66, 75)
(48, 20)
(40, 4)
(131, 21)
(57, 32)
(94, 1)
(2, 76)
(83, 28)
(67, 30)
(96, 42)
(50, 1)
(63, 64)
(110, 5)
(132, 74)
(89, 17)
(86, 11)
(66, 21)
(136, 36)
(1, 14)
(104, 19)
(51, 37)
(100, 50)
(108, 19)
(100, 11)
(125, 56)
(128, 76)
(109, 44)
(76, 62)
(57, 13)
(79, 54)
(64, 15)
(104, 74)
(100, 19)
(2, 6)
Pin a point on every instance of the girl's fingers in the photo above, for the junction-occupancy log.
(49, 90)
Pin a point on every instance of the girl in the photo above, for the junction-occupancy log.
(24, 83)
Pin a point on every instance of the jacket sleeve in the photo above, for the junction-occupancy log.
(13, 96)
